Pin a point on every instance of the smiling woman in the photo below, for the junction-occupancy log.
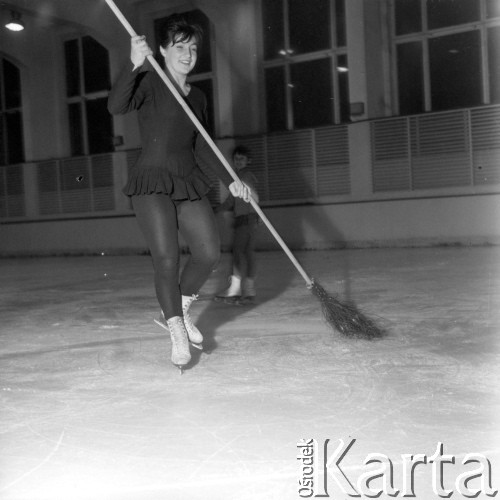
(179, 48)
(167, 187)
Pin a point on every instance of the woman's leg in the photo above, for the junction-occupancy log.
(199, 228)
(157, 218)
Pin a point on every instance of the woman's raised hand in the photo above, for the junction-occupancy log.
(139, 50)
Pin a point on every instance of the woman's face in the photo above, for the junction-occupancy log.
(180, 57)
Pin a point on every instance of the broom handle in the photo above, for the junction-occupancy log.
(210, 142)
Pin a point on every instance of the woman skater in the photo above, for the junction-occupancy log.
(167, 188)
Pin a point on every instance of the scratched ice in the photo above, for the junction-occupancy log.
(91, 407)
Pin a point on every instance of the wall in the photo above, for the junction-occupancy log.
(454, 220)
(361, 219)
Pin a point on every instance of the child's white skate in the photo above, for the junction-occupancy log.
(232, 294)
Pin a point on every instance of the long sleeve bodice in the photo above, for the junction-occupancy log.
(172, 147)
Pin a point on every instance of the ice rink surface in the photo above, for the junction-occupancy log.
(91, 407)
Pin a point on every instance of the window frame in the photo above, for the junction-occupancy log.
(286, 59)
(424, 36)
(83, 97)
(4, 112)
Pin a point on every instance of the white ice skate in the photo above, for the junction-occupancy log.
(194, 335)
(180, 345)
(232, 294)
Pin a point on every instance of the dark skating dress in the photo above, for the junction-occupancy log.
(172, 147)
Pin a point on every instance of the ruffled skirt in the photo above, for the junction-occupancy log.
(160, 180)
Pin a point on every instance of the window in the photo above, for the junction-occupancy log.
(11, 141)
(441, 13)
(201, 76)
(303, 38)
(493, 63)
(87, 87)
(410, 78)
(446, 54)
(408, 16)
(455, 70)
(11, 115)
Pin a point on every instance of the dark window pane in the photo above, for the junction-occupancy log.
(99, 126)
(3, 157)
(207, 87)
(312, 97)
(204, 62)
(442, 13)
(340, 23)
(408, 15)
(15, 143)
(410, 78)
(455, 67)
(494, 63)
(71, 57)
(273, 28)
(309, 25)
(12, 84)
(275, 98)
(75, 129)
(343, 79)
(492, 8)
(95, 65)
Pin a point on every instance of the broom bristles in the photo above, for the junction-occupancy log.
(345, 317)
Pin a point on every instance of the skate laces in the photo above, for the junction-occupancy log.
(188, 322)
(177, 329)
(194, 334)
(190, 299)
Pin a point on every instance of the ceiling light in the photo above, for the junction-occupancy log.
(15, 23)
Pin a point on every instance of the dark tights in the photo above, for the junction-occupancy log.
(160, 218)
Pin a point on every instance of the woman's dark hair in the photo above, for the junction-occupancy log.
(176, 29)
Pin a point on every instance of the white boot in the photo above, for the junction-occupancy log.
(194, 335)
(234, 289)
(180, 345)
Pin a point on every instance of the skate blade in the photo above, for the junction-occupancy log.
(232, 301)
(160, 323)
(197, 346)
(247, 301)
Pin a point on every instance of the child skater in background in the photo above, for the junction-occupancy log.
(241, 288)
(166, 185)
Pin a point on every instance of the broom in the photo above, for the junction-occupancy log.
(344, 317)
